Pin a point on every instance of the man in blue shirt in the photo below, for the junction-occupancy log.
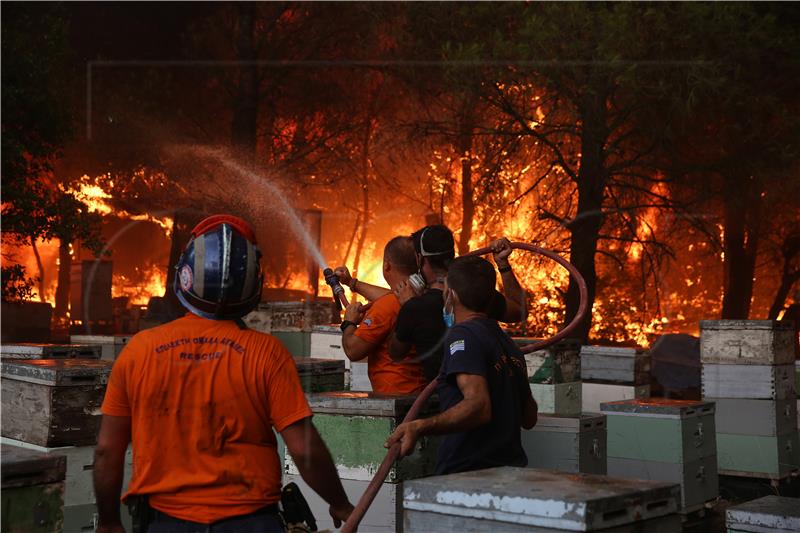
(483, 388)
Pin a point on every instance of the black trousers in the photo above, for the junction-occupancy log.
(262, 521)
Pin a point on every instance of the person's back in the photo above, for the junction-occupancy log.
(203, 396)
(199, 398)
(479, 347)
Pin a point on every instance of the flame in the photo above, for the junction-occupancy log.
(151, 283)
(96, 198)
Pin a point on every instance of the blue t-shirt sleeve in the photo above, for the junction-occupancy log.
(463, 353)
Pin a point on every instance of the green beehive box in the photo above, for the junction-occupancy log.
(355, 425)
(654, 429)
(774, 457)
(297, 342)
(32, 491)
(558, 398)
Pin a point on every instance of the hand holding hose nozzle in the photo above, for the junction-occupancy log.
(338, 291)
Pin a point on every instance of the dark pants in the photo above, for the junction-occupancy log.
(263, 521)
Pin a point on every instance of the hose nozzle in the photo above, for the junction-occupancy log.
(338, 291)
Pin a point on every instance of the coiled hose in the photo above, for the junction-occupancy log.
(393, 453)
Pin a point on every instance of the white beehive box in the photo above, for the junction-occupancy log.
(746, 342)
(359, 377)
(767, 382)
(629, 366)
(594, 394)
(525, 499)
(557, 398)
(326, 343)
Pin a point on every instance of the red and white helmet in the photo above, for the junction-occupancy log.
(219, 272)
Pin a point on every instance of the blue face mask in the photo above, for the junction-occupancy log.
(449, 317)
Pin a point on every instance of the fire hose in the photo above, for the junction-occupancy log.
(392, 455)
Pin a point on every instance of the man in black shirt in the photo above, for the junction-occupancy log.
(483, 387)
(420, 324)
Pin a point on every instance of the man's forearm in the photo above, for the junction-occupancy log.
(108, 473)
(465, 415)
(516, 297)
(318, 470)
(369, 291)
(351, 347)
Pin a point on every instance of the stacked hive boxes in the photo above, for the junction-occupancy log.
(516, 500)
(748, 371)
(320, 375)
(355, 426)
(555, 375)
(292, 322)
(611, 373)
(665, 440)
(33, 491)
(52, 406)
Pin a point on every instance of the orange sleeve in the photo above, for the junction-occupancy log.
(379, 320)
(287, 401)
(116, 401)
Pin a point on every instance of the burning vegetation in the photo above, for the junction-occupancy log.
(675, 199)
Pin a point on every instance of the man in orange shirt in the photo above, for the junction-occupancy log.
(199, 398)
(366, 330)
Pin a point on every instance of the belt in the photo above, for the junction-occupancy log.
(160, 516)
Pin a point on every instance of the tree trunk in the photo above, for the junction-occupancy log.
(465, 139)
(245, 106)
(790, 250)
(365, 175)
(40, 266)
(741, 216)
(63, 288)
(352, 239)
(585, 229)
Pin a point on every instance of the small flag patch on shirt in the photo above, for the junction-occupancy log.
(368, 322)
(456, 346)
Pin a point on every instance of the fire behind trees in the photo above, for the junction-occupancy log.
(654, 144)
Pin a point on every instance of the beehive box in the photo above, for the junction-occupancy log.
(665, 440)
(699, 480)
(564, 354)
(746, 342)
(385, 515)
(110, 345)
(655, 429)
(33, 490)
(595, 394)
(78, 484)
(355, 426)
(326, 343)
(27, 350)
(775, 457)
(515, 500)
(755, 417)
(770, 514)
(53, 402)
(630, 366)
(748, 381)
(320, 375)
(567, 443)
(557, 398)
(359, 376)
(270, 317)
